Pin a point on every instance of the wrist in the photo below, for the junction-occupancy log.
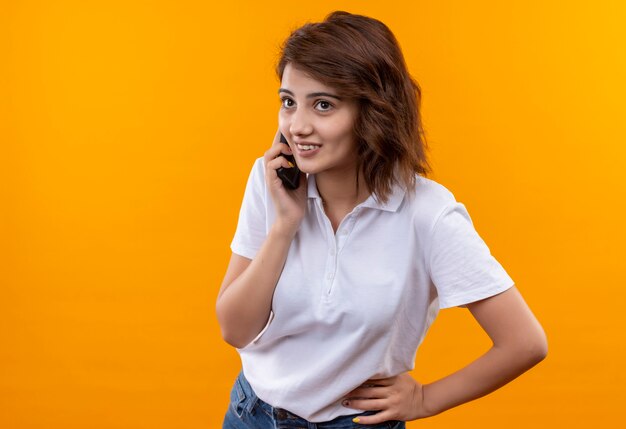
(429, 402)
(284, 229)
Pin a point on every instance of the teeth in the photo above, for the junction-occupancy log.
(307, 146)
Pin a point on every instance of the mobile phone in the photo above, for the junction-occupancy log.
(289, 176)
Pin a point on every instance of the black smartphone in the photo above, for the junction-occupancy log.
(289, 176)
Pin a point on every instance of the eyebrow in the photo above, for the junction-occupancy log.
(311, 95)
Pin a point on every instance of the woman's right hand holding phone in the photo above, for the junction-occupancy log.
(244, 302)
(290, 204)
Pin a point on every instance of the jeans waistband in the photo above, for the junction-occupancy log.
(251, 403)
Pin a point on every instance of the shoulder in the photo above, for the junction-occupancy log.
(428, 196)
(426, 202)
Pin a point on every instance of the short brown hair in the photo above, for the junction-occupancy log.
(361, 58)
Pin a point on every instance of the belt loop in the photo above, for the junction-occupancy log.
(251, 402)
(251, 399)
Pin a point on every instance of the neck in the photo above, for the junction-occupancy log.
(339, 188)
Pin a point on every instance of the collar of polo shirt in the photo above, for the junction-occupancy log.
(393, 202)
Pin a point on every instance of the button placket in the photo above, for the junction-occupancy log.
(336, 241)
(344, 230)
(331, 267)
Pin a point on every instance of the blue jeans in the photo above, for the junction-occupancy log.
(247, 411)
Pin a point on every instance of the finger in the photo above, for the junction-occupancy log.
(276, 147)
(365, 404)
(272, 153)
(374, 419)
(276, 150)
(276, 163)
(284, 145)
(367, 392)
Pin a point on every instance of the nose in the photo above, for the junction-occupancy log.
(300, 124)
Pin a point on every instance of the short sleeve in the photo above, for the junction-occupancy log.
(251, 226)
(460, 263)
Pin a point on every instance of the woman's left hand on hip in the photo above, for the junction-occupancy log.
(395, 398)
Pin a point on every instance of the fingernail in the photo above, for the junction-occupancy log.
(290, 164)
(345, 403)
(356, 420)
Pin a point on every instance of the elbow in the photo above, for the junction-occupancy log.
(527, 351)
(535, 349)
(231, 336)
(540, 349)
(234, 340)
(540, 345)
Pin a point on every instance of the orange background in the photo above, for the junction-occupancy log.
(127, 131)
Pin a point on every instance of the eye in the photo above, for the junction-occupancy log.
(323, 105)
(287, 102)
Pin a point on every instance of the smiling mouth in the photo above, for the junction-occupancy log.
(305, 147)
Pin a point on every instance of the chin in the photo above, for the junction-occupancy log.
(307, 167)
(307, 170)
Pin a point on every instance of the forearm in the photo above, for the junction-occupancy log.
(244, 306)
(495, 368)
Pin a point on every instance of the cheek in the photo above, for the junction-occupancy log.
(344, 136)
(283, 124)
(336, 130)
(344, 123)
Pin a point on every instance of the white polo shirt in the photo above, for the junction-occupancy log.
(356, 304)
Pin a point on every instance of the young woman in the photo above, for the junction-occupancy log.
(332, 286)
